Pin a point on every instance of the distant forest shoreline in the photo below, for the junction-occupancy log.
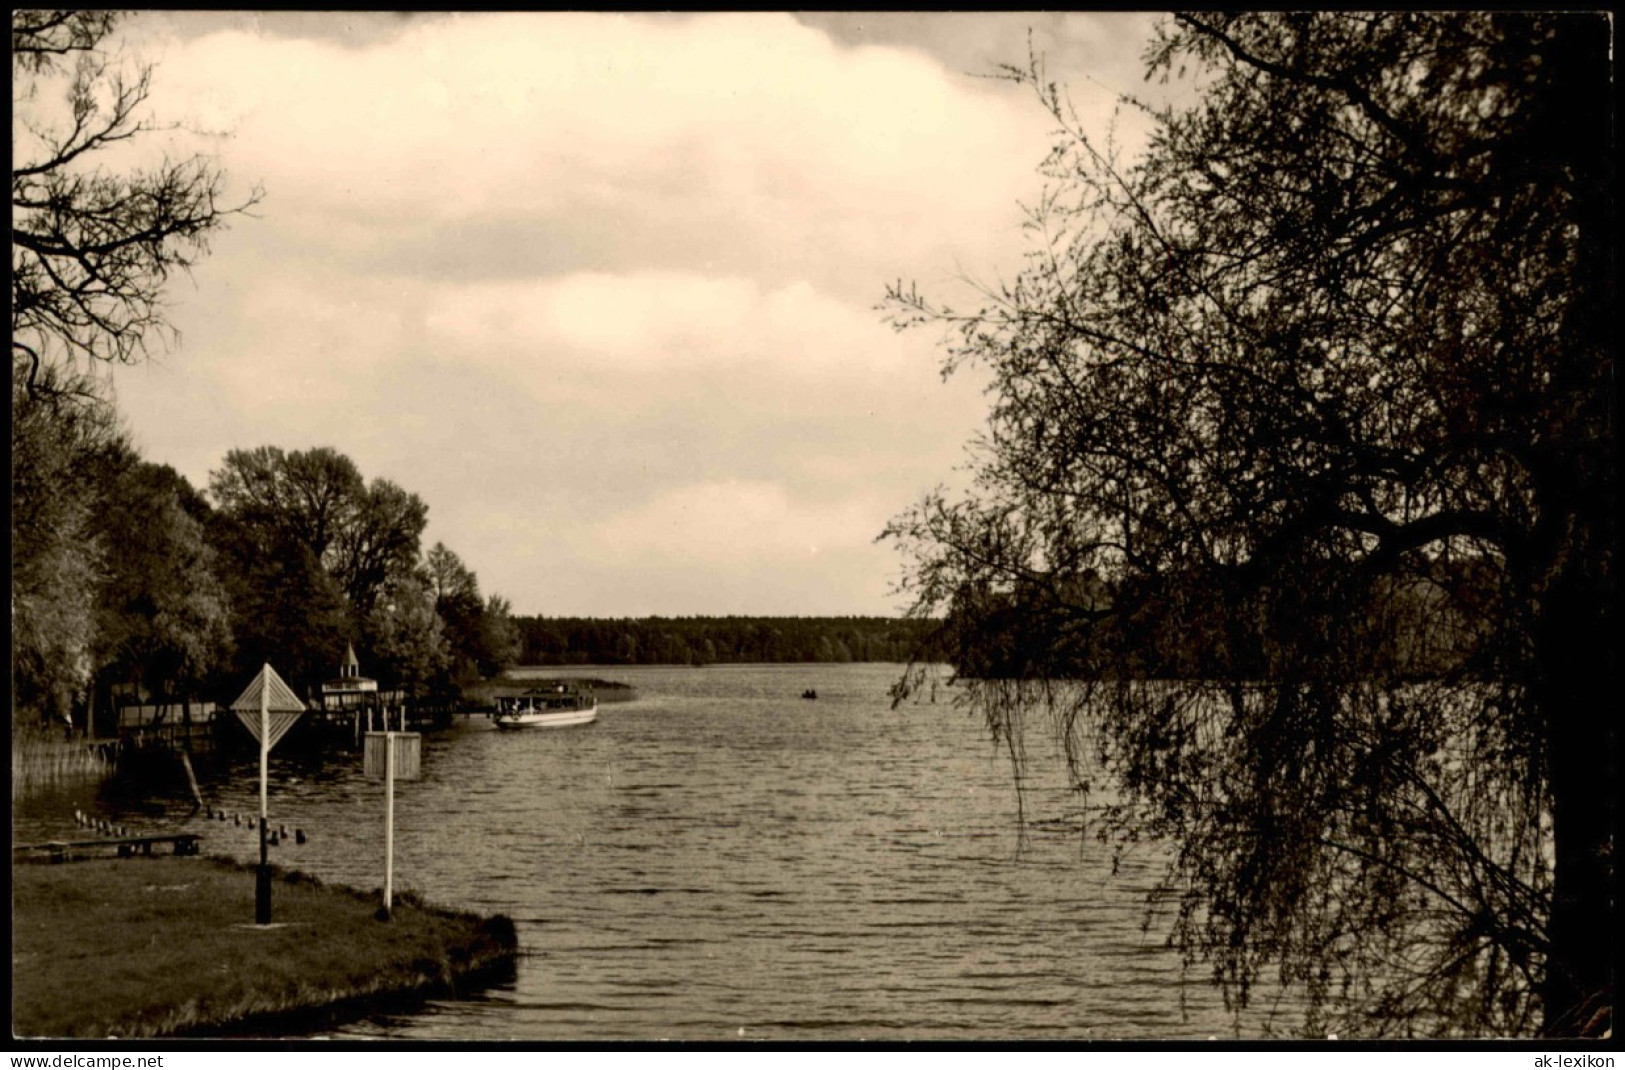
(720, 640)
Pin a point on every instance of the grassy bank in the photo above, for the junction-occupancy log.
(163, 946)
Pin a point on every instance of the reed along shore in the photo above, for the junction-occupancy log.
(166, 946)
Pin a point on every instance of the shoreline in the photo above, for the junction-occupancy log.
(166, 947)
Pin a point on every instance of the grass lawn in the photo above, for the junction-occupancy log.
(163, 946)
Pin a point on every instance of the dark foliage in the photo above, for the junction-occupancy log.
(1296, 508)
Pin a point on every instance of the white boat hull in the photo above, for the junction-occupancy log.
(545, 718)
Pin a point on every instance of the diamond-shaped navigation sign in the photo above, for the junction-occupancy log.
(269, 708)
(268, 704)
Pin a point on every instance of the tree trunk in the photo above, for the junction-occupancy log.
(1574, 651)
(1577, 696)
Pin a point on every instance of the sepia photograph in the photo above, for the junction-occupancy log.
(760, 530)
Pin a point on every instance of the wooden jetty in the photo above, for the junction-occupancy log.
(184, 843)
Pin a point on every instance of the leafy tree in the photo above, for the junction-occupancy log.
(307, 496)
(61, 435)
(406, 638)
(499, 645)
(448, 580)
(315, 500)
(379, 541)
(91, 252)
(456, 594)
(1325, 373)
(92, 249)
(162, 619)
(285, 608)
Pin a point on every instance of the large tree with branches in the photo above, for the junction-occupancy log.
(332, 534)
(94, 240)
(1296, 507)
(92, 248)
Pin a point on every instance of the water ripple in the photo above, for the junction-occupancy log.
(720, 855)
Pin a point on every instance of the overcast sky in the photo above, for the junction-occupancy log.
(601, 289)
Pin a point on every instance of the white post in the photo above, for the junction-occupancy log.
(262, 875)
(389, 820)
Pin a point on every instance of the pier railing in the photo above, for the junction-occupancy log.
(175, 726)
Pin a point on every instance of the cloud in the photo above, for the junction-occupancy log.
(747, 142)
(600, 288)
(662, 324)
(650, 320)
(740, 546)
(718, 522)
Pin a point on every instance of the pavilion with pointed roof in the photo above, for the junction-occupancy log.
(349, 690)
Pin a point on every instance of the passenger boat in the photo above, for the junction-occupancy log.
(551, 704)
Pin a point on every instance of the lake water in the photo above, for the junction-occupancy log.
(720, 855)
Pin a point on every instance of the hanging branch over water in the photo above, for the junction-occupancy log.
(1298, 460)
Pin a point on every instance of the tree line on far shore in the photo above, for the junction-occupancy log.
(711, 640)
